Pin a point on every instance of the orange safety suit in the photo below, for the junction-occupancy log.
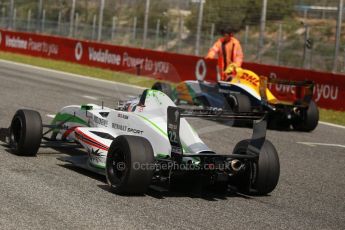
(227, 52)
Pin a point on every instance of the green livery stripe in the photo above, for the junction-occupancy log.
(61, 117)
(162, 155)
(184, 147)
(154, 125)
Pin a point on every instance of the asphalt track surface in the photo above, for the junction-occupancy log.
(44, 193)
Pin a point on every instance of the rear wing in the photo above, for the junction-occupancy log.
(176, 113)
(305, 88)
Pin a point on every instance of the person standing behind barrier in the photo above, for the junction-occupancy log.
(227, 50)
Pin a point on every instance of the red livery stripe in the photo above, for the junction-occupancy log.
(89, 140)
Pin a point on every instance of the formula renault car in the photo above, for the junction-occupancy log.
(147, 142)
(248, 92)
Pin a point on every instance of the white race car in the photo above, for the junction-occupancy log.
(146, 142)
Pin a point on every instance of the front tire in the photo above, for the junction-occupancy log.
(260, 177)
(26, 132)
(129, 165)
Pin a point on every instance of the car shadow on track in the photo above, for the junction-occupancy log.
(182, 190)
(196, 192)
(84, 172)
(4, 132)
(204, 194)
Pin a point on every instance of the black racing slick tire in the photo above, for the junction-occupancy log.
(129, 165)
(260, 177)
(240, 103)
(26, 132)
(163, 87)
(309, 119)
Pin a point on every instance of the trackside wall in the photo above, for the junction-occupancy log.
(329, 90)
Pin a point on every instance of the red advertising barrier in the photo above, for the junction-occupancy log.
(328, 93)
(160, 65)
(329, 90)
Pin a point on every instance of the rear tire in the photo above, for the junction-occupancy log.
(240, 103)
(129, 165)
(163, 87)
(259, 178)
(26, 132)
(309, 119)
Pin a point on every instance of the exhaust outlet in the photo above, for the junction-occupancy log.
(236, 165)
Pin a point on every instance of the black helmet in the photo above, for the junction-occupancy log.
(227, 30)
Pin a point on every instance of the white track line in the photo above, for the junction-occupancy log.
(331, 124)
(314, 144)
(50, 115)
(90, 97)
